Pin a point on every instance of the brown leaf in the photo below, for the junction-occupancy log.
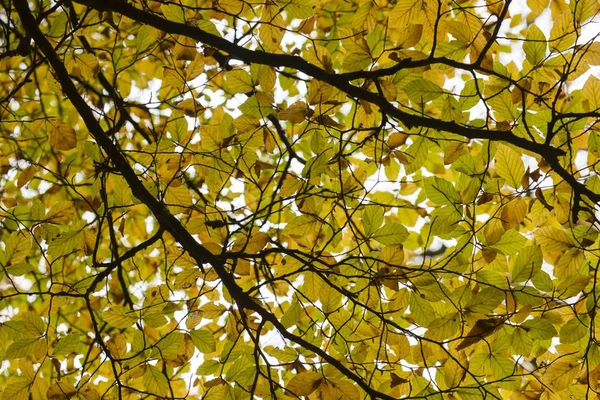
(482, 329)
(60, 135)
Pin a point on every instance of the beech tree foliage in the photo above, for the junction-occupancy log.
(319, 199)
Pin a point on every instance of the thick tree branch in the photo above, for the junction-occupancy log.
(549, 153)
(338, 81)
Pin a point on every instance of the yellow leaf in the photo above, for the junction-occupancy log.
(295, 113)
(233, 7)
(563, 33)
(591, 53)
(409, 36)
(270, 31)
(187, 278)
(319, 56)
(318, 91)
(212, 310)
(304, 383)
(514, 213)
(88, 392)
(26, 176)
(173, 12)
(561, 373)
(185, 49)
(257, 242)
(121, 195)
(405, 13)
(88, 65)
(18, 246)
(583, 9)
(204, 340)
(537, 7)
(179, 199)
(301, 226)
(65, 243)
(61, 136)
(239, 81)
(61, 391)
(331, 299)
(509, 165)
(61, 212)
(173, 78)
(312, 286)
(117, 345)
(344, 389)
(120, 317)
(266, 77)
(554, 239)
(191, 107)
(22, 348)
(155, 381)
(196, 67)
(591, 92)
(17, 389)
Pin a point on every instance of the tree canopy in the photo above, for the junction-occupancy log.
(322, 199)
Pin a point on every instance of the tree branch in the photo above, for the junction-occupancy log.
(164, 217)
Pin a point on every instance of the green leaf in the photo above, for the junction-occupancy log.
(67, 344)
(440, 191)
(522, 343)
(574, 330)
(391, 233)
(535, 45)
(204, 340)
(421, 310)
(543, 282)
(301, 226)
(372, 217)
(20, 269)
(540, 329)
(155, 381)
(510, 243)
(208, 367)
(423, 91)
(144, 39)
(21, 348)
(485, 301)
(292, 315)
(501, 367)
(120, 317)
(445, 220)
(255, 107)
(65, 243)
(170, 345)
(527, 264)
